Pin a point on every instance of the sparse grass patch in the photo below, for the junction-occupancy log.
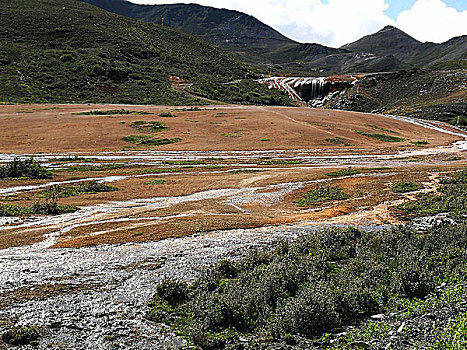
(322, 194)
(156, 182)
(381, 128)
(102, 167)
(405, 187)
(159, 171)
(381, 137)
(343, 172)
(109, 112)
(338, 141)
(84, 188)
(73, 159)
(151, 126)
(147, 140)
(452, 199)
(280, 162)
(183, 162)
(419, 143)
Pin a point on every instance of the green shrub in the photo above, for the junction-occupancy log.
(24, 168)
(109, 112)
(85, 188)
(20, 336)
(322, 194)
(452, 199)
(173, 292)
(404, 187)
(152, 126)
(147, 140)
(167, 115)
(320, 281)
(381, 137)
(343, 172)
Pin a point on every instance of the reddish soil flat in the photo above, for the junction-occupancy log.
(59, 128)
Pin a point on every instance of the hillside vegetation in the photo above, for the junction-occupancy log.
(68, 51)
(427, 94)
(387, 50)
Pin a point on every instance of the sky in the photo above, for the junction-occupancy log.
(338, 22)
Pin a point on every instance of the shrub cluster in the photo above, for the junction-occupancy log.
(45, 208)
(85, 188)
(24, 168)
(322, 194)
(381, 137)
(321, 281)
(405, 187)
(452, 199)
(20, 336)
(147, 140)
(152, 126)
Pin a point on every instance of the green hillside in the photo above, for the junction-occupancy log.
(233, 31)
(68, 51)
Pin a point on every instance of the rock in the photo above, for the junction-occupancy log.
(360, 345)
(378, 317)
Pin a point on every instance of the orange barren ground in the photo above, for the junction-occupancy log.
(171, 194)
(59, 128)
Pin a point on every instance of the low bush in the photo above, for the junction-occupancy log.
(45, 208)
(109, 112)
(147, 140)
(381, 137)
(332, 278)
(322, 194)
(85, 188)
(20, 336)
(405, 187)
(24, 168)
(452, 199)
(167, 115)
(151, 126)
(343, 172)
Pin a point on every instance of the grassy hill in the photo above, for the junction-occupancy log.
(230, 30)
(68, 51)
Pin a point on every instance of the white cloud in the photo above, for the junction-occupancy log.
(338, 22)
(432, 20)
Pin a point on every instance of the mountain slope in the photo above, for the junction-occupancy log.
(253, 41)
(389, 41)
(68, 51)
(230, 30)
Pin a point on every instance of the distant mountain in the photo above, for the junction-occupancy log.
(391, 41)
(230, 30)
(68, 51)
(254, 42)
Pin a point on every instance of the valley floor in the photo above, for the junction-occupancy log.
(228, 179)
